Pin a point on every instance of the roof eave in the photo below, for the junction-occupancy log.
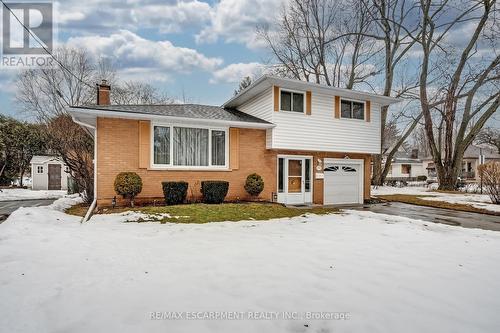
(269, 80)
(75, 112)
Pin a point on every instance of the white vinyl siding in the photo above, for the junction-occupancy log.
(321, 131)
(260, 106)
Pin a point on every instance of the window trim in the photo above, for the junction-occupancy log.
(37, 169)
(352, 100)
(171, 165)
(303, 93)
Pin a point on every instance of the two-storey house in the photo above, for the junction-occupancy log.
(311, 143)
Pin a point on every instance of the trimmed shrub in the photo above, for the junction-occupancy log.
(254, 184)
(128, 185)
(174, 192)
(422, 178)
(490, 176)
(214, 191)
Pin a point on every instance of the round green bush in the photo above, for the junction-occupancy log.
(128, 185)
(174, 192)
(254, 184)
(421, 178)
(214, 191)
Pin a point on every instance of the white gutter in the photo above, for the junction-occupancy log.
(94, 202)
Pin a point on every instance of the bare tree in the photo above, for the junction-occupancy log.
(310, 42)
(132, 92)
(244, 83)
(489, 136)
(394, 26)
(340, 43)
(468, 93)
(46, 93)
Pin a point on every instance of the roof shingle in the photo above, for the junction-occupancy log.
(194, 111)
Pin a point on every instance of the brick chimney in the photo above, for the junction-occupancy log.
(103, 93)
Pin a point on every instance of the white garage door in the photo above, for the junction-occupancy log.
(343, 182)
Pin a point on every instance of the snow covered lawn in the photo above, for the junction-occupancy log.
(480, 201)
(8, 194)
(389, 274)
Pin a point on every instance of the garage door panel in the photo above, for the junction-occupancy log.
(343, 182)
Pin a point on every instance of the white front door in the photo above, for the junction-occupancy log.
(294, 180)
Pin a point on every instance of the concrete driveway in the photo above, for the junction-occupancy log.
(437, 215)
(7, 207)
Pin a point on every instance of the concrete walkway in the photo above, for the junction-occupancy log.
(7, 207)
(436, 215)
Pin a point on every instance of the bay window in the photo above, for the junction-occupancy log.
(177, 146)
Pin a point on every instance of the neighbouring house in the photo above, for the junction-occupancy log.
(311, 143)
(48, 173)
(473, 157)
(406, 166)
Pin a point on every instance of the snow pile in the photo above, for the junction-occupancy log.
(129, 217)
(481, 201)
(9, 194)
(384, 271)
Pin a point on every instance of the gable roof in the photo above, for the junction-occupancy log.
(267, 81)
(174, 111)
(41, 159)
(474, 152)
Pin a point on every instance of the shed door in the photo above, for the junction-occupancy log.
(54, 175)
(343, 183)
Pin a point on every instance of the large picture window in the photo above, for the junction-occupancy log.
(352, 109)
(190, 146)
(292, 101)
(176, 146)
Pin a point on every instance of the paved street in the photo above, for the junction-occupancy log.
(7, 207)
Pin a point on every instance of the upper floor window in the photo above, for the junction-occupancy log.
(188, 146)
(352, 109)
(292, 101)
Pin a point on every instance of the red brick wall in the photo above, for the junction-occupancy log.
(118, 151)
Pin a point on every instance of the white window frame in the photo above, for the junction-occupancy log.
(171, 165)
(38, 169)
(352, 100)
(293, 92)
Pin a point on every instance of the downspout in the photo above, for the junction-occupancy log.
(94, 202)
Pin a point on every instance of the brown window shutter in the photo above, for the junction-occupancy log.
(337, 107)
(308, 102)
(276, 98)
(234, 148)
(144, 143)
(368, 111)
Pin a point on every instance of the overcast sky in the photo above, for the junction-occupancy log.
(201, 48)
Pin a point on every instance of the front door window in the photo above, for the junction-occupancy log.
(294, 176)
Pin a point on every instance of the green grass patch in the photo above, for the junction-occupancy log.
(203, 213)
(417, 200)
